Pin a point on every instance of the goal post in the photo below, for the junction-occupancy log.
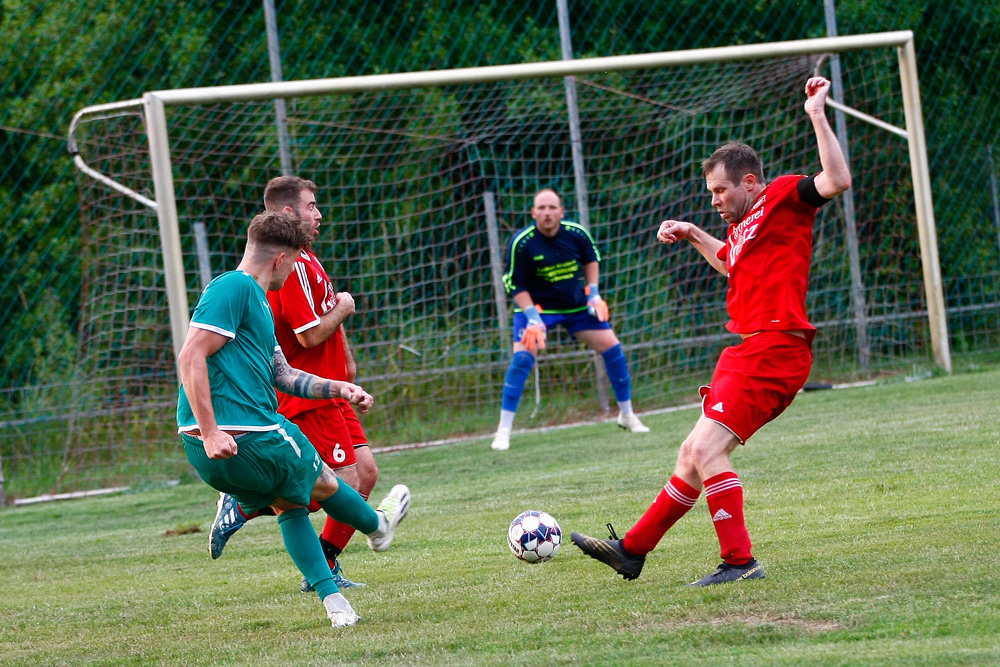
(425, 176)
(156, 105)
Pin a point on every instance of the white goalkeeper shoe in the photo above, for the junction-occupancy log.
(501, 441)
(630, 422)
(339, 611)
(390, 512)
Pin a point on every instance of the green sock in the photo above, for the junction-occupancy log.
(347, 506)
(303, 546)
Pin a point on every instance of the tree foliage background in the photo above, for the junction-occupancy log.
(57, 57)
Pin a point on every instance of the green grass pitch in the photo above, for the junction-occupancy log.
(874, 510)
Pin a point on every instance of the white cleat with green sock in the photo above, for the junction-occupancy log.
(390, 512)
(339, 611)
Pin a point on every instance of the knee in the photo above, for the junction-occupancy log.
(349, 475)
(701, 454)
(326, 485)
(612, 352)
(367, 478)
(290, 512)
(523, 361)
(685, 456)
(695, 453)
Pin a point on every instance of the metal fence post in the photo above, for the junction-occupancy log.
(280, 112)
(994, 196)
(496, 270)
(850, 215)
(579, 173)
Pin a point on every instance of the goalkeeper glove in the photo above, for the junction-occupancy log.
(534, 334)
(596, 306)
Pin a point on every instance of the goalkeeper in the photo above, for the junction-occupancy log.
(552, 274)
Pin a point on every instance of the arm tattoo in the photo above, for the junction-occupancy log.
(299, 383)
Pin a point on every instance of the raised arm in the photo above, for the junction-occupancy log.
(306, 385)
(836, 176)
(672, 231)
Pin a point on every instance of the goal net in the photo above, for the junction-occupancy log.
(409, 181)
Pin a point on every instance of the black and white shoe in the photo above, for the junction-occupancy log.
(726, 573)
(612, 553)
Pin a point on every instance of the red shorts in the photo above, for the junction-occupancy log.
(334, 430)
(756, 380)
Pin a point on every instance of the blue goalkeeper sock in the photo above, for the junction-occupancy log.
(614, 362)
(304, 548)
(347, 506)
(517, 376)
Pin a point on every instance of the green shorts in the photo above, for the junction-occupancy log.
(268, 465)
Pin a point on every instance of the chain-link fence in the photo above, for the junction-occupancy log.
(60, 57)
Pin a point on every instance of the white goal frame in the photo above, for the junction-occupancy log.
(154, 104)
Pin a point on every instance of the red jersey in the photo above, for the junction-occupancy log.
(767, 259)
(307, 294)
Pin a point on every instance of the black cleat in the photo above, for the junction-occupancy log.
(726, 573)
(612, 553)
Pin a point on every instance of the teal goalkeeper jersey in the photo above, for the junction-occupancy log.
(240, 373)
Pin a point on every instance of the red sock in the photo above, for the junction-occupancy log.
(338, 534)
(724, 494)
(676, 498)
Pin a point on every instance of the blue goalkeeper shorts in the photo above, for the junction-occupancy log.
(581, 320)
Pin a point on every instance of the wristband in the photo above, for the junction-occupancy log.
(534, 317)
(591, 292)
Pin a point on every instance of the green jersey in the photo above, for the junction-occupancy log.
(240, 373)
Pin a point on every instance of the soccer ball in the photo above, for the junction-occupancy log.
(534, 536)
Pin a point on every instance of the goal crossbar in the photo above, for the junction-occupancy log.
(548, 69)
(154, 107)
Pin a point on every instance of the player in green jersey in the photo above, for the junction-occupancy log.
(227, 412)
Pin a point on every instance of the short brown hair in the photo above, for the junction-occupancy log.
(283, 191)
(737, 159)
(552, 190)
(274, 231)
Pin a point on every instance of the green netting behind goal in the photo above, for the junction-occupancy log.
(405, 177)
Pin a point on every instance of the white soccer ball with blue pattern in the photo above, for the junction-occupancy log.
(534, 536)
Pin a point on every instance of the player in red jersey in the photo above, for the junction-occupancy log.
(308, 320)
(766, 258)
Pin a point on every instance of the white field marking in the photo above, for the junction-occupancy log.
(48, 497)
(559, 427)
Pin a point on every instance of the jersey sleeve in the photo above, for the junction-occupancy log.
(588, 249)
(806, 189)
(222, 305)
(515, 279)
(294, 302)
